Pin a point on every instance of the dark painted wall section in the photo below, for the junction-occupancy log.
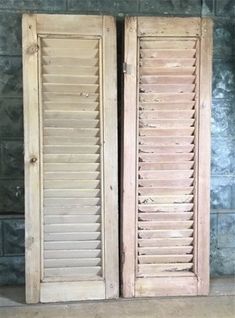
(11, 127)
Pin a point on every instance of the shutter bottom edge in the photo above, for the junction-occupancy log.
(166, 286)
(71, 291)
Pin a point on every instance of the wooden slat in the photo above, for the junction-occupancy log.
(70, 79)
(179, 207)
(166, 183)
(70, 245)
(161, 79)
(72, 175)
(71, 44)
(158, 216)
(85, 262)
(166, 123)
(151, 234)
(50, 219)
(167, 114)
(167, 106)
(71, 193)
(150, 43)
(167, 53)
(70, 106)
(168, 259)
(82, 70)
(73, 158)
(81, 236)
(164, 225)
(71, 227)
(166, 141)
(75, 167)
(165, 242)
(173, 250)
(72, 183)
(173, 61)
(184, 165)
(72, 209)
(165, 174)
(85, 253)
(148, 70)
(69, 52)
(145, 191)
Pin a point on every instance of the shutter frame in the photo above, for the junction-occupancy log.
(103, 29)
(198, 283)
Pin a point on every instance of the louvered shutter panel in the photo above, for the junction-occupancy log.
(71, 148)
(166, 167)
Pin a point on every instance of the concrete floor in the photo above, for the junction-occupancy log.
(219, 304)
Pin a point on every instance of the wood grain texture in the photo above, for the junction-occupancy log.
(129, 160)
(110, 159)
(204, 156)
(168, 81)
(71, 121)
(31, 150)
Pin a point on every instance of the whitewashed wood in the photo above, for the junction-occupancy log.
(166, 109)
(129, 160)
(71, 291)
(204, 156)
(110, 158)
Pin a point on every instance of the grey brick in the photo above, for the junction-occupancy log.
(222, 262)
(222, 155)
(226, 230)
(1, 239)
(12, 270)
(10, 34)
(207, 7)
(127, 6)
(11, 196)
(224, 38)
(213, 232)
(223, 118)
(13, 231)
(225, 8)
(12, 159)
(10, 76)
(11, 117)
(222, 192)
(48, 5)
(224, 79)
(171, 7)
(92, 6)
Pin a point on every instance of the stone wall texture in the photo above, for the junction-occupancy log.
(11, 114)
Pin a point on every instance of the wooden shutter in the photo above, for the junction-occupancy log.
(166, 166)
(70, 157)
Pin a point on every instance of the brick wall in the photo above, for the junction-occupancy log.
(11, 127)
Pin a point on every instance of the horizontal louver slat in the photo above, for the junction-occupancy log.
(166, 156)
(72, 158)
